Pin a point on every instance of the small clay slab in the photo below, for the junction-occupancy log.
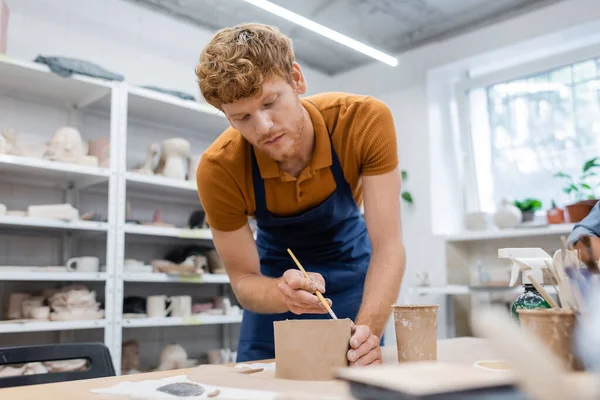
(311, 349)
(182, 389)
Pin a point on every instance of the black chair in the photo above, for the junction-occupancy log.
(99, 362)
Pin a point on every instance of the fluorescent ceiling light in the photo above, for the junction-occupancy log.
(323, 30)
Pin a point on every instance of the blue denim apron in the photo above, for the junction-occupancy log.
(330, 239)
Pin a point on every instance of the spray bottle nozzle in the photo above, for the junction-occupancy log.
(533, 259)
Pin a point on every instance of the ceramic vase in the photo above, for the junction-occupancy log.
(508, 216)
(175, 153)
(100, 148)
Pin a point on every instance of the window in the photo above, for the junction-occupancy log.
(525, 130)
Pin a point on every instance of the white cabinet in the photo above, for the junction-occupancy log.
(36, 102)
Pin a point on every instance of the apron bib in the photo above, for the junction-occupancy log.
(330, 239)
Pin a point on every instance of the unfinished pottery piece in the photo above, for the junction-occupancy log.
(130, 356)
(57, 211)
(174, 156)
(10, 146)
(15, 301)
(29, 304)
(174, 356)
(66, 145)
(2, 210)
(416, 332)
(554, 328)
(40, 313)
(100, 148)
(311, 349)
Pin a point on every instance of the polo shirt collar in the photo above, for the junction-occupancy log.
(321, 157)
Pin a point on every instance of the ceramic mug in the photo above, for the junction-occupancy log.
(156, 306)
(181, 305)
(83, 264)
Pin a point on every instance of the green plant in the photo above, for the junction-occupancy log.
(580, 188)
(406, 196)
(528, 205)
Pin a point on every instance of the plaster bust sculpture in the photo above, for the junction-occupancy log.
(67, 146)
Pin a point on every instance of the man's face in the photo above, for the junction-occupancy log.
(274, 120)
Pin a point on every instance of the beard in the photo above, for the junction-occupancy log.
(291, 139)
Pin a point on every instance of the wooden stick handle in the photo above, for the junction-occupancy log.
(319, 295)
(542, 291)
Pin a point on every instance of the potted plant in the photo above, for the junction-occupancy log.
(406, 196)
(555, 215)
(528, 207)
(581, 191)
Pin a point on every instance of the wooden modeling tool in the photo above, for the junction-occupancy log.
(542, 291)
(319, 295)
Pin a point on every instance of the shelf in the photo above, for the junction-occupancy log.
(203, 234)
(464, 289)
(160, 185)
(52, 170)
(16, 275)
(150, 106)
(160, 277)
(27, 222)
(182, 321)
(471, 236)
(43, 326)
(35, 80)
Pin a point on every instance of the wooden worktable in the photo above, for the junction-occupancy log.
(461, 350)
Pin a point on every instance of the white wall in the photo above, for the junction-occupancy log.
(419, 90)
(144, 46)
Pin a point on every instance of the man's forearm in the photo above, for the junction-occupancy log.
(260, 294)
(382, 286)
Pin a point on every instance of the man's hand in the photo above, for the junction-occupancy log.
(364, 347)
(298, 292)
(589, 256)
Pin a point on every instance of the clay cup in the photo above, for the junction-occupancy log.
(416, 332)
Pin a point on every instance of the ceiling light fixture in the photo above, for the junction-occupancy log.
(323, 30)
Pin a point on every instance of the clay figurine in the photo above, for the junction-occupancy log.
(10, 143)
(174, 356)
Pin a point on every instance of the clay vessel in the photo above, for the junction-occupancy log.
(311, 349)
(508, 215)
(416, 332)
(100, 148)
(554, 328)
(15, 302)
(174, 158)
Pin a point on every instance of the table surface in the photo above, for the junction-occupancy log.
(460, 350)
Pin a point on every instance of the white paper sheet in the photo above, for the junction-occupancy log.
(147, 390)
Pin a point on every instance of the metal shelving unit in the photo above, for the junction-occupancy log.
(120, 102)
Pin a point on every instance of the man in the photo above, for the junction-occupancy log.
(301, 167)
(590, 227)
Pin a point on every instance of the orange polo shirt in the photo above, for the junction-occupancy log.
(363, 136)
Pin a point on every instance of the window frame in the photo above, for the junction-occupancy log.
(461, 93)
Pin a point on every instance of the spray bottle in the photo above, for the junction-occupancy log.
(533, 260)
